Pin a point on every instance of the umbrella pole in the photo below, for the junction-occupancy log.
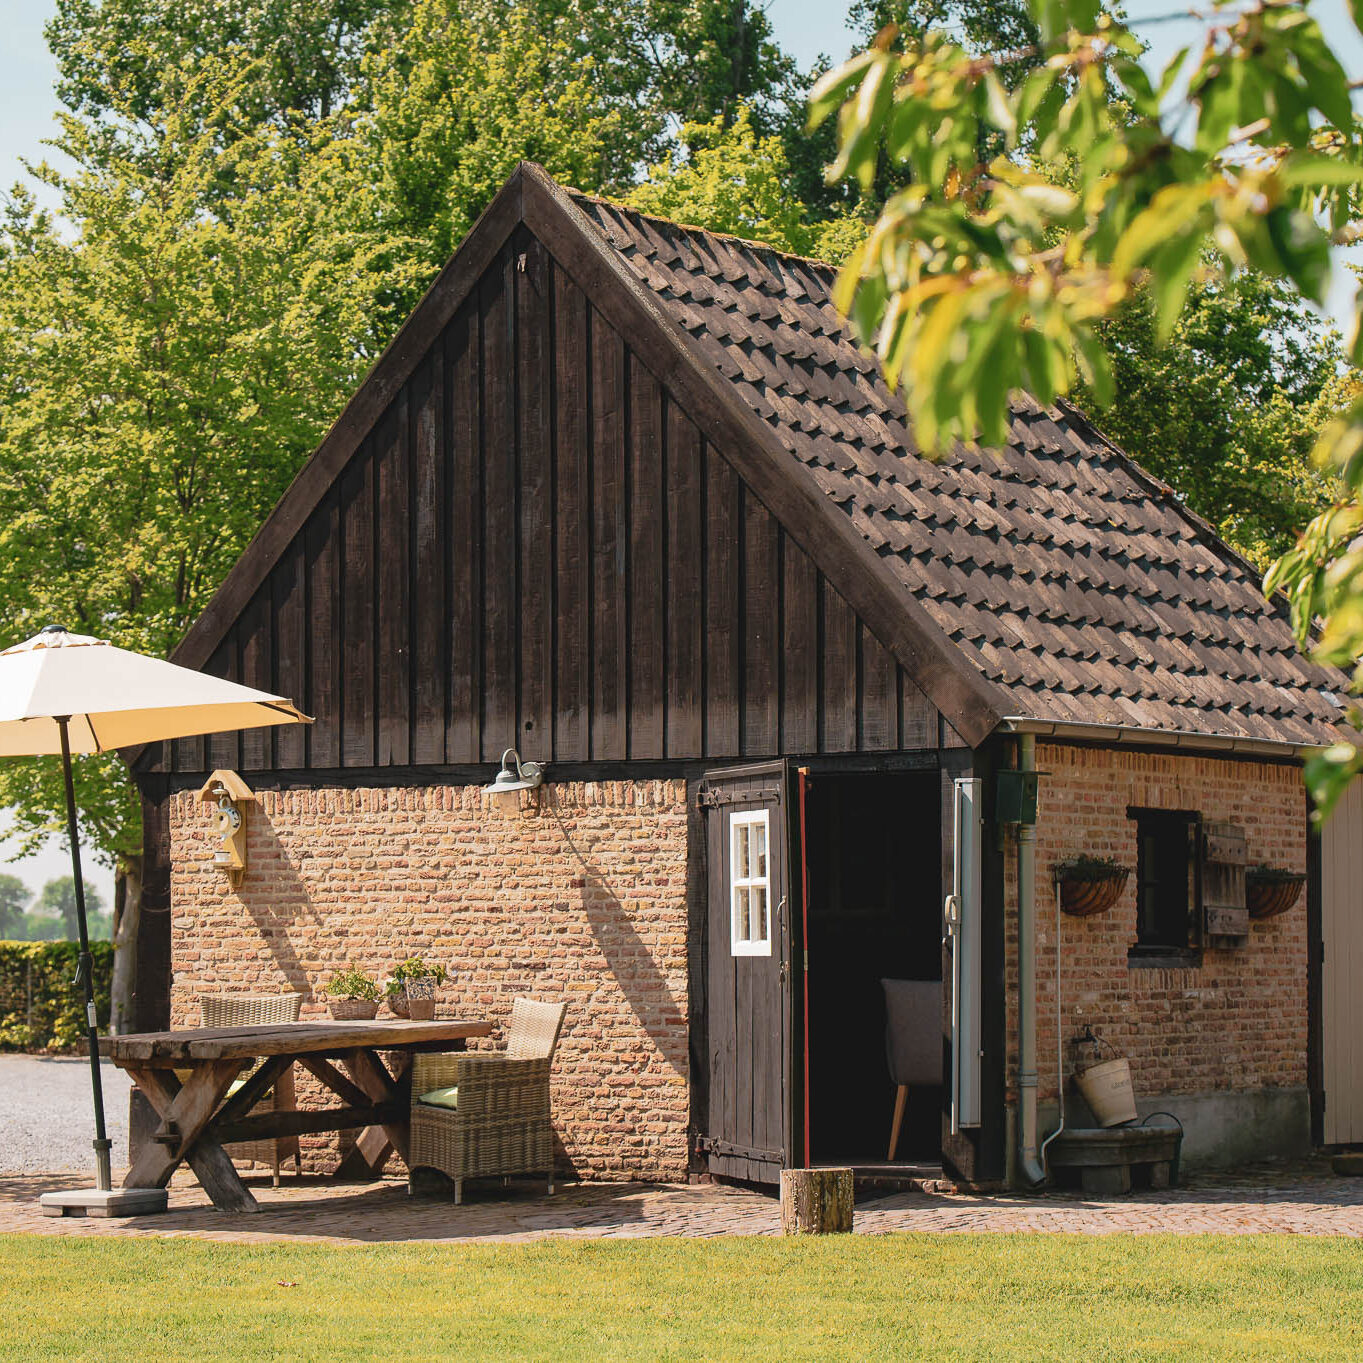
(84, 967)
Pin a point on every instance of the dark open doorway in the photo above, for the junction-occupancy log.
(873, 848)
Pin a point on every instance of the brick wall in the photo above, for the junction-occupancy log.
(581, 897)
(1237, 1022)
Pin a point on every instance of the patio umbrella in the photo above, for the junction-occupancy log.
(69, 693)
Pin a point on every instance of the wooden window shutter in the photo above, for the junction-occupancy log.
(1224, 854)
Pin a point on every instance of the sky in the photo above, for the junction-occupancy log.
(806, 28)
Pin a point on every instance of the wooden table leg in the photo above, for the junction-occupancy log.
(375, 1143)
(186, 1114)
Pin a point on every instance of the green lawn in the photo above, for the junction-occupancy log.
(996, 1297)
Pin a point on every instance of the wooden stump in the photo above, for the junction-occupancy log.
(816, 1201)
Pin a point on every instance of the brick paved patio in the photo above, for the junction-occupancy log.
(1301, 1200)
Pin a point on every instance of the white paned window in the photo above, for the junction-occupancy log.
(750, 885)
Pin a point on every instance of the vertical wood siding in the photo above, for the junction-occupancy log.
(535, 546)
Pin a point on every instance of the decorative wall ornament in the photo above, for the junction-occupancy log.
(232, 798)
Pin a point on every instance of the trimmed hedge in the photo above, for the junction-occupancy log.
(40, 1008)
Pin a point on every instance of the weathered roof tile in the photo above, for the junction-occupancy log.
(1070, 577)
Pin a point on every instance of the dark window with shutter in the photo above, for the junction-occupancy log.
(1167, 885)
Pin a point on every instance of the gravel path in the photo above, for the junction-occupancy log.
(46, 1116)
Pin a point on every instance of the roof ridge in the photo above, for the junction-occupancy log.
(750, 242)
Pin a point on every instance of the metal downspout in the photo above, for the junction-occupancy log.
(1029, 1166)
(1059, 1043)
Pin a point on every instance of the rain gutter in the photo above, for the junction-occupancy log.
(1114, 734)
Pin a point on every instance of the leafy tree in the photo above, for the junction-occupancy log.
(983, 26)
(14, 898)
(454, 104)
(121, 62)
(731, 178)
(710, 58)
(977, 279)
(163, 373)
(57, 900)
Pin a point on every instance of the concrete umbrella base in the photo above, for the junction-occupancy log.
(104, 1202)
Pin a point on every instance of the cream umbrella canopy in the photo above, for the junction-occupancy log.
(70, 693)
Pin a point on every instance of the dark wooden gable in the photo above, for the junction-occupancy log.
(533, 545)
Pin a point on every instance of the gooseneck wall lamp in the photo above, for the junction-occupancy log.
(516, 775)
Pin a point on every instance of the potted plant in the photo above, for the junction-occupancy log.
(1270, 890)
(1090, 885)
(352, 996)
(411, 989)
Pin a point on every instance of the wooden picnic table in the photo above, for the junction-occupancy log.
(199, 1117)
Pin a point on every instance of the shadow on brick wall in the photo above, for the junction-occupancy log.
(277, 900)
(630, 958)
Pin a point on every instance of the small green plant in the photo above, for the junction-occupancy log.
(1274, 875)
(1089, 868)
(353, 983)
(413, 968)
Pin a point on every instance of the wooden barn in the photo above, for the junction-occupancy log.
(625, 496)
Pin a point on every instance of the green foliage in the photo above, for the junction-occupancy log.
(40, 1007)
(119, 60)
(711, 58)
(14, 900)
(732, 178)
(57, 899)
(1086, 868)
(414, 968)
(981, 278)
(164, 374)
(352, 983)
(1273, 875)
(454, 104)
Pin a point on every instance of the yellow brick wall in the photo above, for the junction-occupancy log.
(579, 897)
(1237, 1022)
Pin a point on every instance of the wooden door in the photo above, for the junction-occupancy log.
(748, 963)
(1341, 999)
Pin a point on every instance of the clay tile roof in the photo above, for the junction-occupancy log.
(1076, 582)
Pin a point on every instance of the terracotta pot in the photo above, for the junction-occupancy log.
(1082, 898)
(353, 1010)
(1268, 898)
(398, 1003)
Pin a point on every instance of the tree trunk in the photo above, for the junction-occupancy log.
(127, 915)
(816, 1201)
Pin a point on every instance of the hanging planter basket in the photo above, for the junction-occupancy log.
(1088, 886)
(1267, 894)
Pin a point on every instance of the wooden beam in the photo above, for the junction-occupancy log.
(327, 1073)
(251, 1092)
(305, 1121)
(376, 1143)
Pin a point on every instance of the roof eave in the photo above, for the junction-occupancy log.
(1123, 735)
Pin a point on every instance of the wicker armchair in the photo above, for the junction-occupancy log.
(500, 1124)
(240, 1010)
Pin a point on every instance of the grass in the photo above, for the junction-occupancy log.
(958, 1297)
